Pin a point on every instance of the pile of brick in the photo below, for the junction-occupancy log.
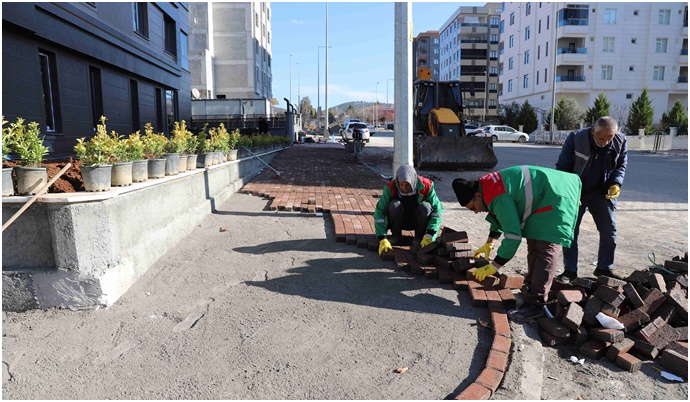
(651, 306)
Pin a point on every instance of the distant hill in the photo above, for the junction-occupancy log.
(357, 105)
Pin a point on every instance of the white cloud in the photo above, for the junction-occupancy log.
(297, 22)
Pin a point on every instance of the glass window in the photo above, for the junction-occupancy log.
(493, 54)
(493, 70)
(526, 56)
(171, 111)
(510, 85)
(609, 44)
(170, 36)
(528, 9)
(539, 27)
(538, 52)
(512, 18)
(661, 45)
(511, 41)
(537, 82)
(546, 50)
(659, 73)
(607, 73)
(527, 33)
(610, 16)
(494, 38)
(664, 17)
(96, 95)
(140, 16)
(134, 104)
(50, 90)
(184, 60)
(510, 63)
(525, 80)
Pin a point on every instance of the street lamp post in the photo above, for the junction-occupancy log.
(318, 88)
(389, 80)
(376, 104)
(290, 78)
(299, 106)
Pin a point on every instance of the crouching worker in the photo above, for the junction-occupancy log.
(409, 202)
(536, 203)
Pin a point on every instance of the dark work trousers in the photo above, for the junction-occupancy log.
(604, 216)
(401, 218)
(542, 257)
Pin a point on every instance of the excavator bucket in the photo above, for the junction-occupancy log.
(454, 153)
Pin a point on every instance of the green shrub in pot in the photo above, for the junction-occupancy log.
(28, 143)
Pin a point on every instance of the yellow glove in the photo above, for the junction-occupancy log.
(614, 192)
(427, 240)
(384, 245)
(487, 270)
(485, 249)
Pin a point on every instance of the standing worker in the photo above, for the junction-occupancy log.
(539, 204)
(408, 202)
(599, 155)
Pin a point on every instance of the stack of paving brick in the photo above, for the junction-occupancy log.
(652, 308)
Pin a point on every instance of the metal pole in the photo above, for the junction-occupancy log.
(555, 54)
(326, 133)
(376, 105)
(402, 145)
(387, 104)
(290, 78)
(299, 104)
(318, 87)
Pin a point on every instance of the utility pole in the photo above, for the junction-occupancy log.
(376, 105)
(389, 80)
(402, 145)
(326, 132)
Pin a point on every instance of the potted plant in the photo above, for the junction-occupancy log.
(7, 185)
(154, 145)
(214, 144)
(192, 147)
(29, 146)
(233, 138)
(122, 164)
(205, 157)
(140, 166)
(244, 143)
(178, 144)
(95, 156)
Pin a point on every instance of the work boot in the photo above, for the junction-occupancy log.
(566, 277)
(607, 272)
(527, 312)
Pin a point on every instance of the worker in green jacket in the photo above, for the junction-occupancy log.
(409, 202)
(539, 204)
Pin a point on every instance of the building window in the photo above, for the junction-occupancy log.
(526, 56)
(664, 17)
(546, 76)
(511, 41)
(171, 111)
(631, 68)
(528, 9)
(659, 73)
(628, 96)
(636, 13)
(493, 70)
(633, 41)
(96, 96)
(525, 81)
(510, 85)
(140, 17)
(512, 18)
(493, 21)
(435, 51)
(436, 61)
(661, 45)
(183, 51)
(134, 104)
(502, 27)
(256, 19)
(609, 44)
(610, 16)
(539, 27)
(527, 32)
(538, 52)
(50, 90)
(170, 36)
(607, 73)
(546, 50)
(510, 63)
(537, 81)
(547, 22)
(258, 75)
(435, 41)
(268, 35)
(493, 38)
(493, 54)
(492, 103)
(493, 87)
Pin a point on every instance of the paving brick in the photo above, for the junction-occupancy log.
(475, 392)
(632, 295)
(644, 349)
(510, 281)
(593, 349)
(478, 298)
(569, 296)
(416, 267)
(460, 284)
(442, 251)
(507, 297)
(497, 360)
(648, 330)
(474, 285)
(639, 277)
(609, 295)
(501, 343)
(619, 347)
(666, 312)
(611, 282)
(592, 308)
(676, 265)
(548, 339)
(678, 300)
(657, 281)
(665, 335)
(490, 379)
(469, 274)
(459, 247)
(611, 311)
(442, 262)
(362, 241)
(388, 256)
(448, 236)
(607, 335)
(492, 295)
(426, 259)
(581, 336)
(445, 275)
(499, 321)
(430, 272)
(583, 283)
(628, 362)
(350, 239)
(461, 265)
(634, 320)
(652, 301)
(461, 254)
(553, 326)
(682, 333)
(558, 310)
(675, 363)
(678, 346)
(573, 316)
(429, 248)
(489, 282)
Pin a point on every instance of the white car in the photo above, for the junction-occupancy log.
(502, 133)
(347, 131)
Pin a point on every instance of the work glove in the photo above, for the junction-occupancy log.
(426, 240)
(485, 249)
(614, 192)
(487, 270)
(384, 245)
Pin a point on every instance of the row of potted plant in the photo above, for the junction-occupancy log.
(114, 160)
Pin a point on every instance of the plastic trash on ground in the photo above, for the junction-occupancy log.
(609, 322)
(671, 377)
(575, 360)
(547, 312)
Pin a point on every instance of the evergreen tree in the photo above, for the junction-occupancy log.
(601, 108)
(527, 117)
(508, 114)
(676, 117)
(567, 116)
(641, 115)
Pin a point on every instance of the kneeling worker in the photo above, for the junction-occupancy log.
(409, 202)
(536, 203)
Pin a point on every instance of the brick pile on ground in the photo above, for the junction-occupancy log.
(651, 305)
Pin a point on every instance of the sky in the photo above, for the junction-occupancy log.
(361, 53)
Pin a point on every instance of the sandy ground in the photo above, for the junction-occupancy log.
(274, 308)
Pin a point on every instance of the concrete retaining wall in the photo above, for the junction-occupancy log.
(84, 250)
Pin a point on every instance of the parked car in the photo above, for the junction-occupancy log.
(503, 133)
(389, 126)
(347, 131)
(470, 129)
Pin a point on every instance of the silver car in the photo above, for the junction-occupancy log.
(503, 133)
(347, 131)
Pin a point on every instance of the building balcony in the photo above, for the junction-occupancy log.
(570, 78)
(577, 56)
(575, 31)
(474, 24)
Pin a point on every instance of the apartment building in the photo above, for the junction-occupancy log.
(67, 64)
(230, 50)
(426, 53)
(470, 53)
(578, 50)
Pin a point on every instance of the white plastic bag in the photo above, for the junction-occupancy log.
(609, 322)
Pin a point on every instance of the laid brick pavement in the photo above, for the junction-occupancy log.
(321, 178)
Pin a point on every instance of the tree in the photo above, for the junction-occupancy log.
(350, 110)
(305, 107)
(567, 116)
(331, 117)
(508, 114)
(528, 118)
(641, 115)
(601, 108)
(676, 117)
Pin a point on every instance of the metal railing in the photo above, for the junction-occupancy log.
(572, 50)
(570, 78)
